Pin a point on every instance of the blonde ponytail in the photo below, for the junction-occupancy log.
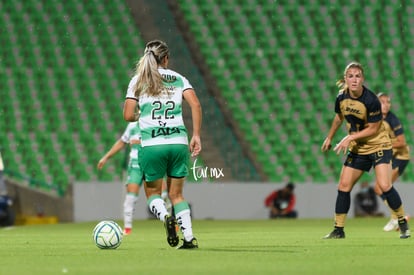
(149, 80)
(341, 84)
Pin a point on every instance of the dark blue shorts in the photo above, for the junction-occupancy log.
(365, 162)
(400, 164)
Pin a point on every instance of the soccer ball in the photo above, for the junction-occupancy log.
(107, 235)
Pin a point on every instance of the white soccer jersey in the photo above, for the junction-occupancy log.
(161, 120)
(132, 132)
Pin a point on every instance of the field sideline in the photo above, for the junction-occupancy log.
(226, 247)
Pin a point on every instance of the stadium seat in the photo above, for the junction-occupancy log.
(55, 80)
(305, 58)
(276, 64)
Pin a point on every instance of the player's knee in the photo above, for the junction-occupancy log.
(345, 186)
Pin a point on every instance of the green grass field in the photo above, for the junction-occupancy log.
(226, 247)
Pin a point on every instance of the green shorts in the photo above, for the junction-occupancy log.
(164, 160)
(135, 175)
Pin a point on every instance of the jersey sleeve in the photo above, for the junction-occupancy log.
(130, 92)
(127, 134)
(337, 104)
(395, 124)
(186, 84)
(374, 113)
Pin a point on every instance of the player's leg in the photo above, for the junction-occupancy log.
(155, 202)
(392, 224)
(154, 161)
(157, 206)
(165, 197)
(182, 212)
(353, 168)
(177, 171)
(383, 171)
(130, 201)
(133, 184)
(399, 166)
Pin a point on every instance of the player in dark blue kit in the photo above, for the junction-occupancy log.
(400, 151)
(367, 144)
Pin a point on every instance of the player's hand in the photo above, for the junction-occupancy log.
(195, 146)
(101, 163)
(343, 145)
(326, 145)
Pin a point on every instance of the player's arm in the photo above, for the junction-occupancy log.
(192, 99)
(368, 131)
(118, 145)
(399, 141)
(130, 110)
(336, 123)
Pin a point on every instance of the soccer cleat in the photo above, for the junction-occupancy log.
(392, 225)
(127, 231)
(404, 229)
(189, 245)
(170, 224)
(335, 234)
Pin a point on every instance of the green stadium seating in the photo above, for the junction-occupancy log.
(276, 64)
(290, 55)
(48, 55)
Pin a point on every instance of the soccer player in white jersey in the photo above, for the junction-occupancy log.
(132, 136)
(159, 93)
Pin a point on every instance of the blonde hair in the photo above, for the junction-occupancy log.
(341, 82)
(149, 79)
(382, 94)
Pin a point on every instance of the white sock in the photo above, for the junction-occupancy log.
(183, 216)
(129, 208)
(167, 201)
(157, 207)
